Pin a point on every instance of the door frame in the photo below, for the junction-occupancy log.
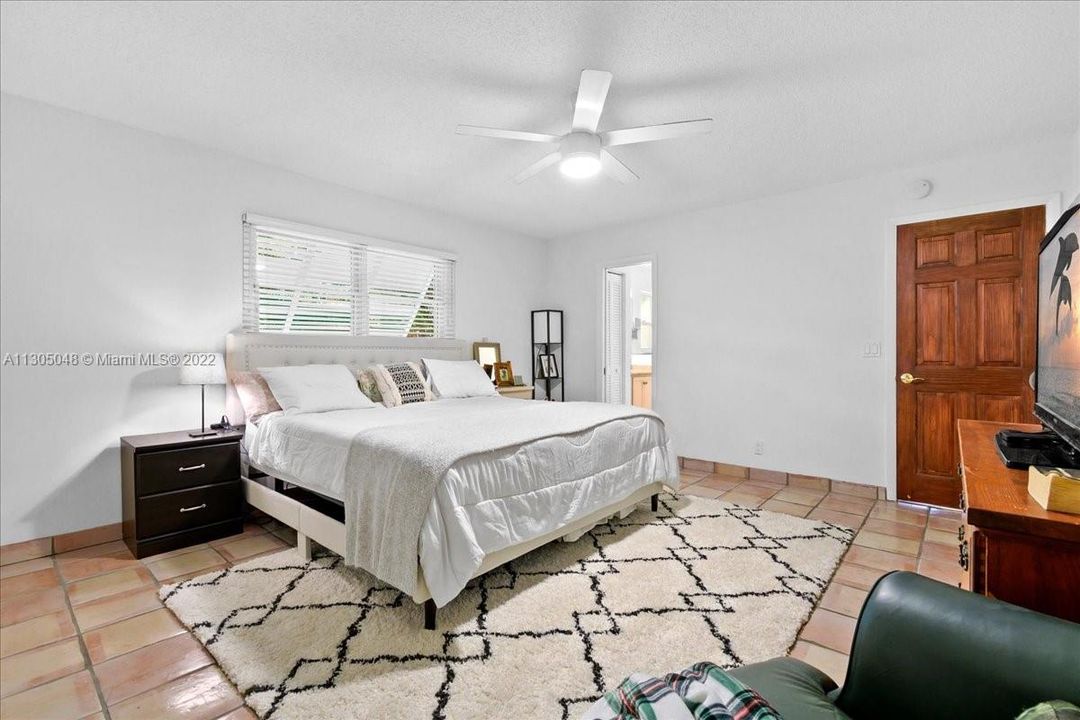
(1051, 202)
(601, 276)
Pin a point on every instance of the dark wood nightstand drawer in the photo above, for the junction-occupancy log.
(169, 470)
(185, 509)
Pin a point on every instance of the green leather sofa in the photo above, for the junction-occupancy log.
(924, 650)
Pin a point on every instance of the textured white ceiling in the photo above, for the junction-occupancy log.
(368, 94)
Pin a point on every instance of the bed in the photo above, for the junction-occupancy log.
(487, 509)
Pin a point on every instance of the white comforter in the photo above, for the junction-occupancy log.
(486, 502)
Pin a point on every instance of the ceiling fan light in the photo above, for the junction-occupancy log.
(580, 166)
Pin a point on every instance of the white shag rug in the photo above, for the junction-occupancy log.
(540, 638)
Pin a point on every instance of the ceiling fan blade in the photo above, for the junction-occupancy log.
(591, 94)
(649, 133)
(615, 169)
(541, 164)
(507, 134)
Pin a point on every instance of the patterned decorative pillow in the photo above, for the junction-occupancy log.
(401, 384)
(254, 395)
(368, 386)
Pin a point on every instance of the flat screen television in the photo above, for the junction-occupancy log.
(1057, 371)
(1057, 363)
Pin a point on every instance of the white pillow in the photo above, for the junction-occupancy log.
(459, 378)
(315, 388)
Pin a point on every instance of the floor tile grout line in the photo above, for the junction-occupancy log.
(213, 663)
(213, 660)
(88, 664)
(119, 620)
(186, 631)
(822, 647)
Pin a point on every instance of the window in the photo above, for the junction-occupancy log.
(299, 279)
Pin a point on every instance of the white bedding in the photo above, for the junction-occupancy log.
(486, 502)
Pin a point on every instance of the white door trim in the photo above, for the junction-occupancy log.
(602, 268)
(1051, 202)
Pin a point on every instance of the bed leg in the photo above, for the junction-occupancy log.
(303, 546)
(655, 502)
(429, 614)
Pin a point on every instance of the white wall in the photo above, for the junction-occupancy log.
(763, 309)
(118, 240)
(1075, 187)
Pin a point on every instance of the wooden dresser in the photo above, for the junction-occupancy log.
(1012, 548)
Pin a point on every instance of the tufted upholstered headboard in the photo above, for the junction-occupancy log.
(250, 351)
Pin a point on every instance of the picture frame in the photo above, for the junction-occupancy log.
(503, 373)
(548, 366)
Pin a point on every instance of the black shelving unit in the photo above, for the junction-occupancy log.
(547, 339)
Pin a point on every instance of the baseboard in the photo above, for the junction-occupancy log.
(713, 467)
(56, 544)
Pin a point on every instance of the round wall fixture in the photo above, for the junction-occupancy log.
(920, 189)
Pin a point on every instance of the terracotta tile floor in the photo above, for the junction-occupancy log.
(83, 635)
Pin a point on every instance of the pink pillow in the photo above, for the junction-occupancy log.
(255, 395)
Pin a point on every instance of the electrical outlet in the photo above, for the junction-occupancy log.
(759, 447)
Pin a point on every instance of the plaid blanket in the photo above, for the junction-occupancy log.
(700, 692)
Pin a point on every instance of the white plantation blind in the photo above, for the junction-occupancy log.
(299, 279)
(614, 338)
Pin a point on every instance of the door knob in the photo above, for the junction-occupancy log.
(908, 378)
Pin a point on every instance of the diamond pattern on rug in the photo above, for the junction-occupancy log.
(540, 637)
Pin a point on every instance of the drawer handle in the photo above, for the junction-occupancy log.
(197, 507)
(193, 467)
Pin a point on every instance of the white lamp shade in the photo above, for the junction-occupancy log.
(208, 369)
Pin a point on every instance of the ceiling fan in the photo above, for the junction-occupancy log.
(583, 152)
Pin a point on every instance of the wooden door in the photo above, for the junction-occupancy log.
(965, 327)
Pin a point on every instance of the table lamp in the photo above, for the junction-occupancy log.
(210, 371)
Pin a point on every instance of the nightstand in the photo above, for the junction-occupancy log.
(522, 392)
(179, 491)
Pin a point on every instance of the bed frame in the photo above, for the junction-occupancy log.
(320, 519)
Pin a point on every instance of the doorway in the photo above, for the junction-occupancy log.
(965, 338)
(629, 330)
